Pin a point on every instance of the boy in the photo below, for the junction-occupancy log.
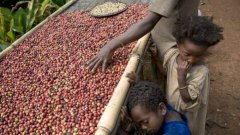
(148, 108)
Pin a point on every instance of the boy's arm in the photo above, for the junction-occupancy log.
(136, 31)
(184, 89)
(182, 74)
(190, 89)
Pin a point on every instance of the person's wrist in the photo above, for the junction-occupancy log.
(182, 79)
(117, 43)
(183, 87)
(113, 46)
(181, 76)
(109, 46)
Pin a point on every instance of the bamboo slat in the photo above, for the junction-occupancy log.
(110, 115)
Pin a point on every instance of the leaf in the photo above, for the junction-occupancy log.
(6, 13)
(4, 27)
(3, 45)
(2, 34)
(11, 34)
(18, 26)
(59, 2)
(43, 7)
(31, 14)
(54, 5)
(20, 21)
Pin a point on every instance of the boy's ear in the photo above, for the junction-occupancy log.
(162, 109)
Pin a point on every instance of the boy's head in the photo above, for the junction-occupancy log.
(146, 105)
(195, 35)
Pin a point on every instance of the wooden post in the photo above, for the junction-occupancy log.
(110, 115)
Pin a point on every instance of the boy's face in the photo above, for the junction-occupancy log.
(149, 120)
(191, 52)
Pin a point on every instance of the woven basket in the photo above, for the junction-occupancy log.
(104, 10)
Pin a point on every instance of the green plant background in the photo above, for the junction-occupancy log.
(23, 16)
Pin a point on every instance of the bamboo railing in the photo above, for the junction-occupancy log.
(110, 115)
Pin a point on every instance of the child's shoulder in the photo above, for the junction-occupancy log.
(201, 67)
(200, 71)
(170, 56)
(176, 128)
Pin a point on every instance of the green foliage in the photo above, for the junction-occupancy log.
(20, 19)
(59, 3)
(2, 47)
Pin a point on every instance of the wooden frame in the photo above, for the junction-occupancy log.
(110, 115)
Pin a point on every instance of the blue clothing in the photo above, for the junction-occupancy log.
(175, 127)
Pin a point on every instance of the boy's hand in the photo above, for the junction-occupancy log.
(103, 57)
(183, 68)
(132, 77)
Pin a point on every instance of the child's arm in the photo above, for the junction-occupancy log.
(193, 87)
(182, 73)
(132, 77)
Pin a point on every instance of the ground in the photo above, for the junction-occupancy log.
(224, 100)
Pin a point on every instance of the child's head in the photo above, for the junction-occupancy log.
(195, 35)
(146, 105)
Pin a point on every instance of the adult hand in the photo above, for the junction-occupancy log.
(103, 58)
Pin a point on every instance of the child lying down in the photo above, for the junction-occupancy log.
(147, 112)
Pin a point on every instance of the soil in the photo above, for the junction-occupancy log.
(224, 98)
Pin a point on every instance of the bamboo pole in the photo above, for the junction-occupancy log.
(14, 44)
(110, 115)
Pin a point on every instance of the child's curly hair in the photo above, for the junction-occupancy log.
(146, 94)
(198, 29)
